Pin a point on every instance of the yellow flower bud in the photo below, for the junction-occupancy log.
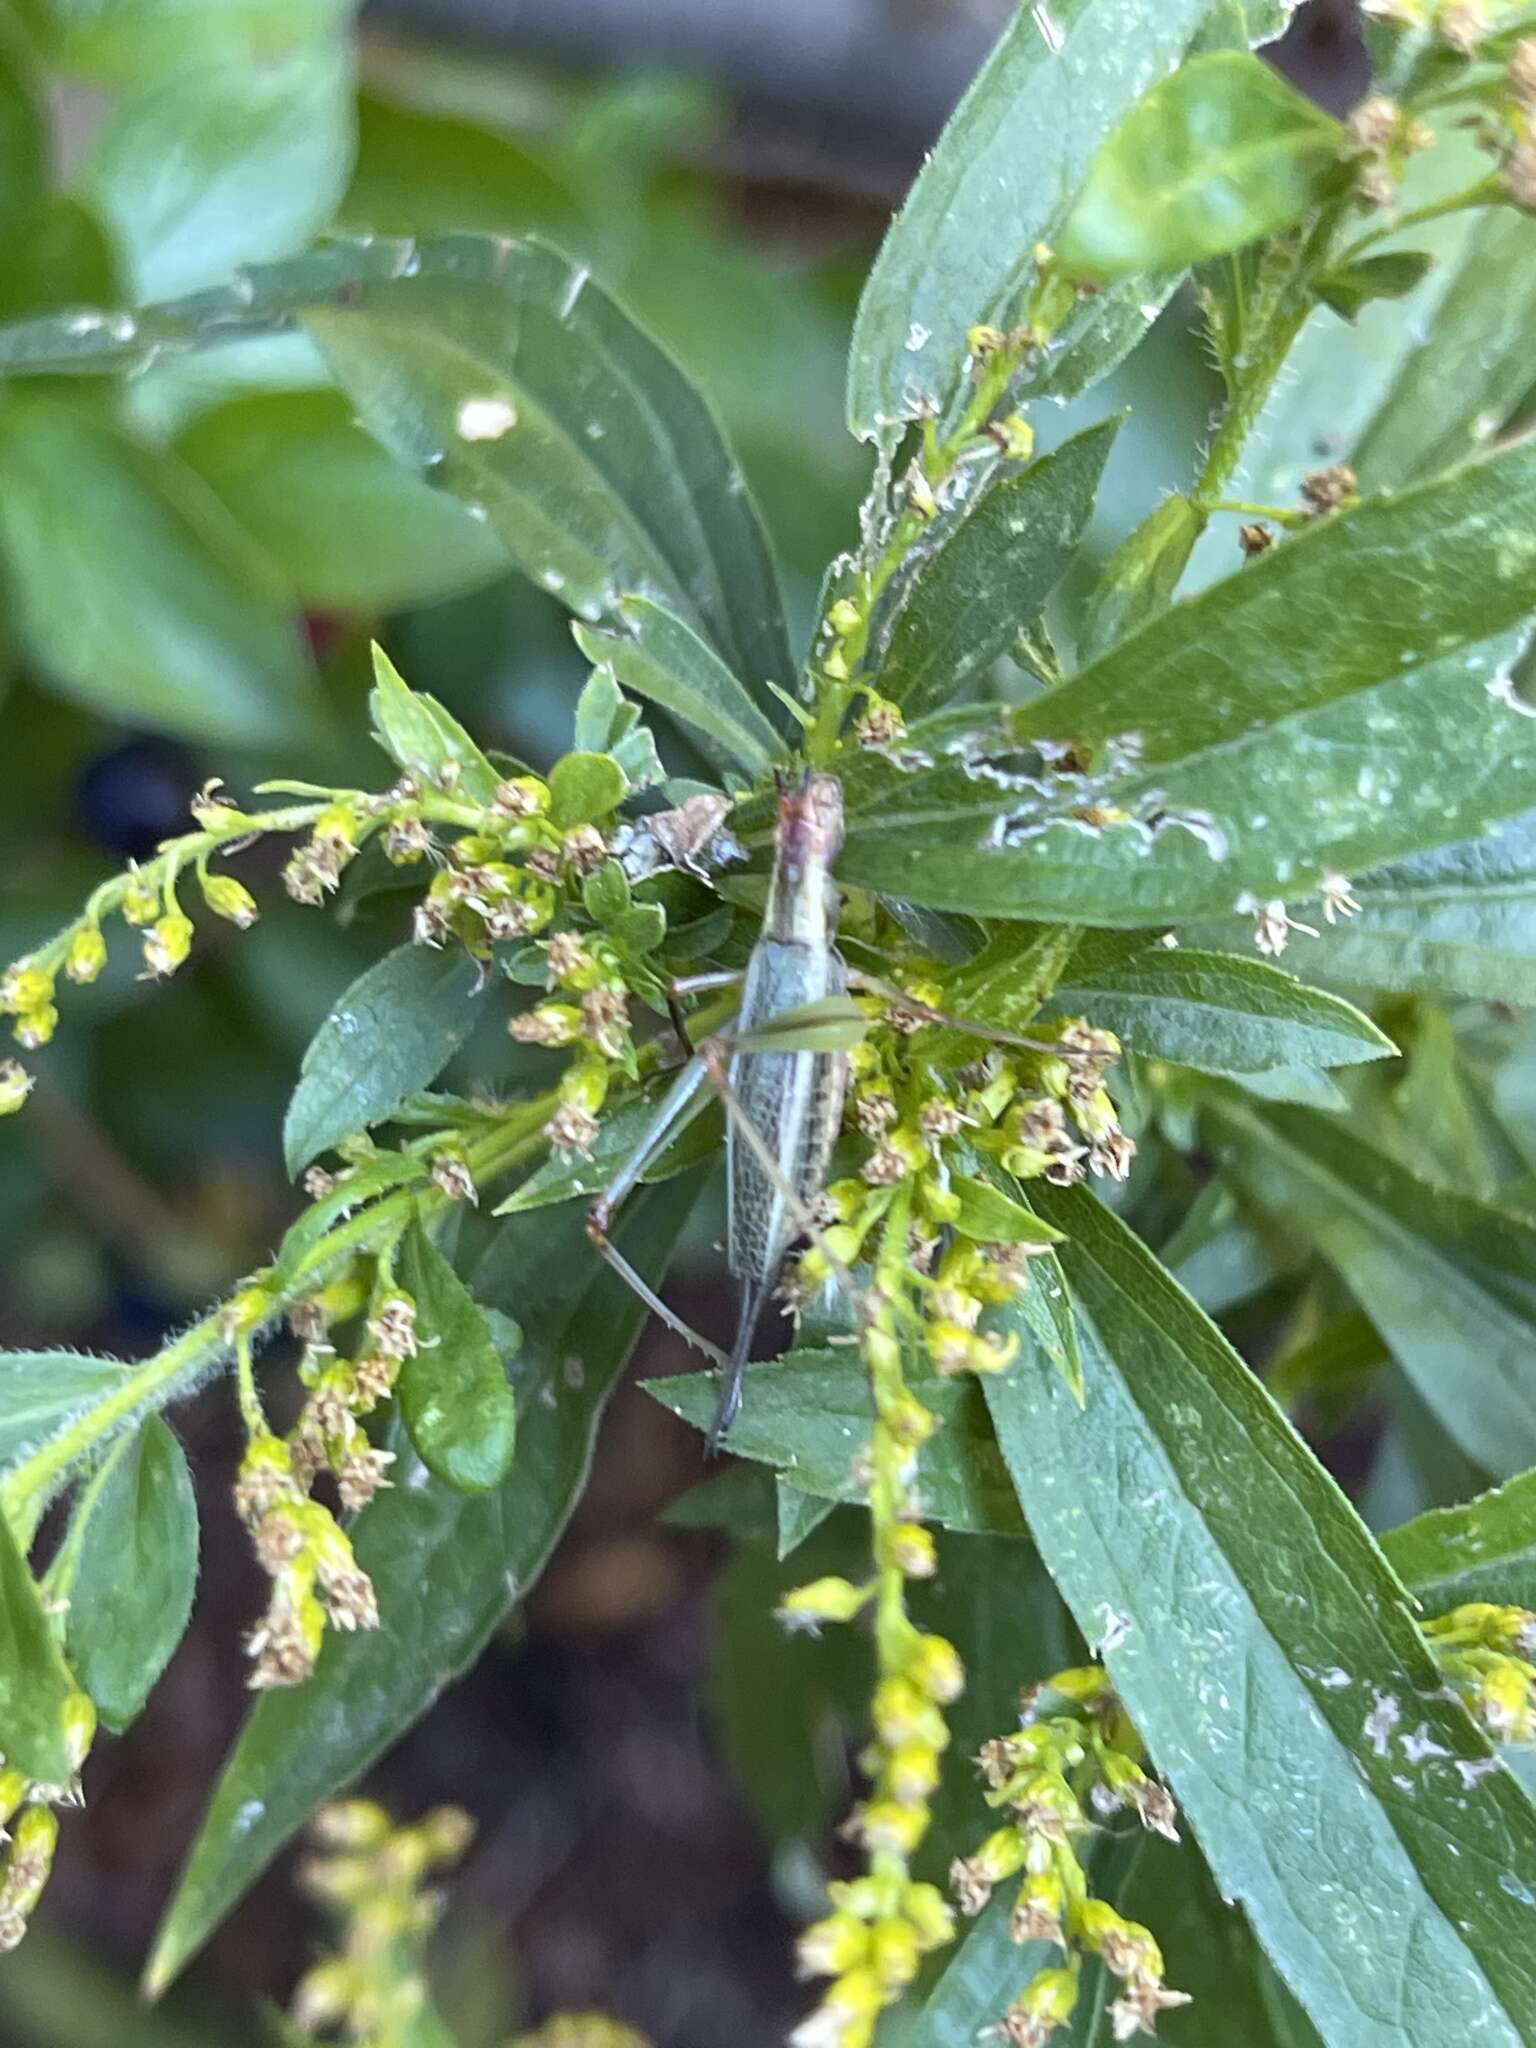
(934, 1667)
(886, 1827)
(910, 1548)
(230, 899)
(35, 1027)
(829, 1599)
(831, 1947)
(912, 1772)
(894, 1953)
(15, 1086)
(79, 1727)
(87, 954)
(167, 943)
(931, 1916)
(141, 901)
(24, 987)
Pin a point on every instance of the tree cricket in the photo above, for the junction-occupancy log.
(790, 1101)
(781, 1071)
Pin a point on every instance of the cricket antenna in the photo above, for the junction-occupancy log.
(752, 1300)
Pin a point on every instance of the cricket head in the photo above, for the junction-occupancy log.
(810, 833)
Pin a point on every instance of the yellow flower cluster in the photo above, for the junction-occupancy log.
(1075, 1759)
(594, 1020)
(316, 1580)
(29, 1827)
(1489, 1654)
(373, 1876)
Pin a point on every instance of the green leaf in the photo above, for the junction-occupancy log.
(454, 1396)
(446, 1566)
(1140, 577)
(991, 1217)
(41, 1392)
(424, 739)
(1217, 156)
(419, 172)
(1485, 1549)
(202, 168)
(135, 592)
(1447, 1280)
(658, 657)
(606, 723)
(135, 1571)
(519, 385)
(584, 787)
(797, 1514)
(1222, 1013)
(1470, 369)
(962, 248)
(392, 1032)
(993, 574)
(1390, 276)
(1460, 920)
(1404, 579)
(59, 256)
(350, 530)
(809, 1414)
(1268, 1657)
(34, 1684)
(23, 134)
(1247, 760)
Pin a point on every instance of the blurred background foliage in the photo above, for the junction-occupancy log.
(192, 562)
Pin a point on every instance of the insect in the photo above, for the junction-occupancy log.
(784, 1099)
(784, 1107)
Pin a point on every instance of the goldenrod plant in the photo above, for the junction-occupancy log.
(1077, 1200)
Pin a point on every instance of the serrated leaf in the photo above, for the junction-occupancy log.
(202, 167)
(661, 659)
(1217, 156)
(1242, 758)
(993, 574)
(519, 385)
(454, 1396)
(1257, 1620)
(809, 1415)
(135, 1571)
(584, 787)
(351, 530)
(1011, 156)
(34, 1684)
(1484, 1549)
(1460, 920)
(423, 738)
(42, 1391)
(606, 723)
(135, 592)
(1222, 1013)
(392, 1032)
(1469, 371)
(446, 1566)
(1447, 1280)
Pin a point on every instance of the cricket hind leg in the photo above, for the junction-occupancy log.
(754, 1299)
(994, 1034)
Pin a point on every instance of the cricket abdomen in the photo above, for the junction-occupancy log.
(794, 1100)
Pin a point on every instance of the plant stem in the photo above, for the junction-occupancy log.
(173, 1371)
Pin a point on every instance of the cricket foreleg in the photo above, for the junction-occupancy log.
(694, 984)
(670, 1114)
